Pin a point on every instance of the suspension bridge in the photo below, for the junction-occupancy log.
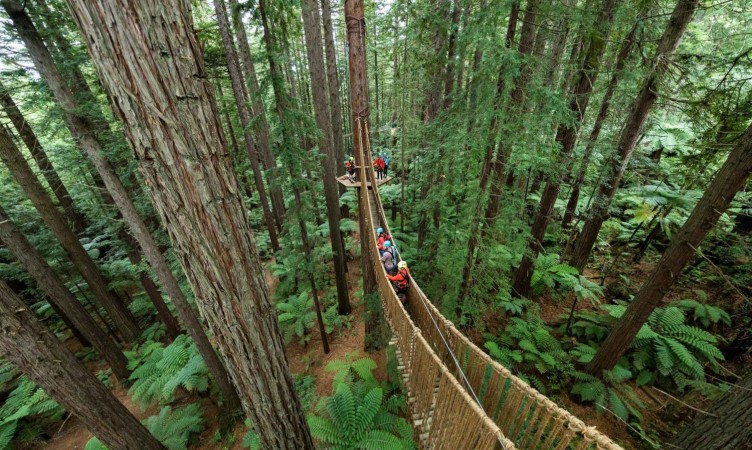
(458, 397)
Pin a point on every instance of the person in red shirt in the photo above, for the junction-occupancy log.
(377, 167)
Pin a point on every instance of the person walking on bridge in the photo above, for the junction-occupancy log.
(387, 258)
(401, 281)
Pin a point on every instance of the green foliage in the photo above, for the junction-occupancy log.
(556, 277)
(159, 371)
(173, 428)
(707, 315)
(251, 439)
(296, 317)
(353, 422)
(664, 350)
(351, 370)
(361, 414)
(528, 346)
(305, 386)
(610, 392)
(25, 409)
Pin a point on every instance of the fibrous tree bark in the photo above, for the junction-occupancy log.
(84, 131)
(714, 202)
(28, 344)
(60, 296)
(151, 64)
(621, 59)
(77, 220)
(312, 28)
(728, 428)
(566, 137)
(19, 168)
(356, 38)
(240, 94)
(638, 113)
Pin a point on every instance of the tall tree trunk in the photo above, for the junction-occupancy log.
(621, 59)
(239, 92)
(728, 428)
(566, 136)
(28, 344)
(61, 297)
(714, 202)
(473, 239)
(638, 114)
(314, 45)
(77, 220)
(356, 38)
(19, 168)
(432, 105)
(452, 62)
(235, 148)
(84, 131)
(335, 104)
(273, 177)
(161, 92)
(516, 106)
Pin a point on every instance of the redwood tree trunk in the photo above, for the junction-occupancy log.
(473, 240)
(311, 24)
(273, 177)
(160, 90)
(28, 344)
(638, 113)
(621, 59)
(730, 426)
(77, 220)
(239, 92)
(61, 297)
(566, 136)
(84, 131)
(333, 82)
(716, 199)
(356, 38)
(19, 168)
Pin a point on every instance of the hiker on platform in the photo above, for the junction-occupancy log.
(378, 165)
(350, 167)
(385, 158)
(401, 281)
(387, 258)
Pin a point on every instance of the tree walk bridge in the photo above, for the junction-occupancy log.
(458, 397)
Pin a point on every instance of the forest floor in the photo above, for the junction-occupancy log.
(303, 360)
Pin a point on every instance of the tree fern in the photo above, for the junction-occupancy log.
(173, 428)
(296, 317)
(353, 422)
(159, 371)
(664, 350)
(25, 406)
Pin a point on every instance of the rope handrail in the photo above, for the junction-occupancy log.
(502, 408)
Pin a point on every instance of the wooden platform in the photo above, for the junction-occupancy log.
(346, 183)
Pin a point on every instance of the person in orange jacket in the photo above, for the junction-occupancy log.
(401, 280)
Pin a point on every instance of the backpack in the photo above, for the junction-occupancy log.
(404, 284)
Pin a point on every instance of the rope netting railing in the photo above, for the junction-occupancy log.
(488, 407)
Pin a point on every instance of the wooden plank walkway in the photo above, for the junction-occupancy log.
(348, 184)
